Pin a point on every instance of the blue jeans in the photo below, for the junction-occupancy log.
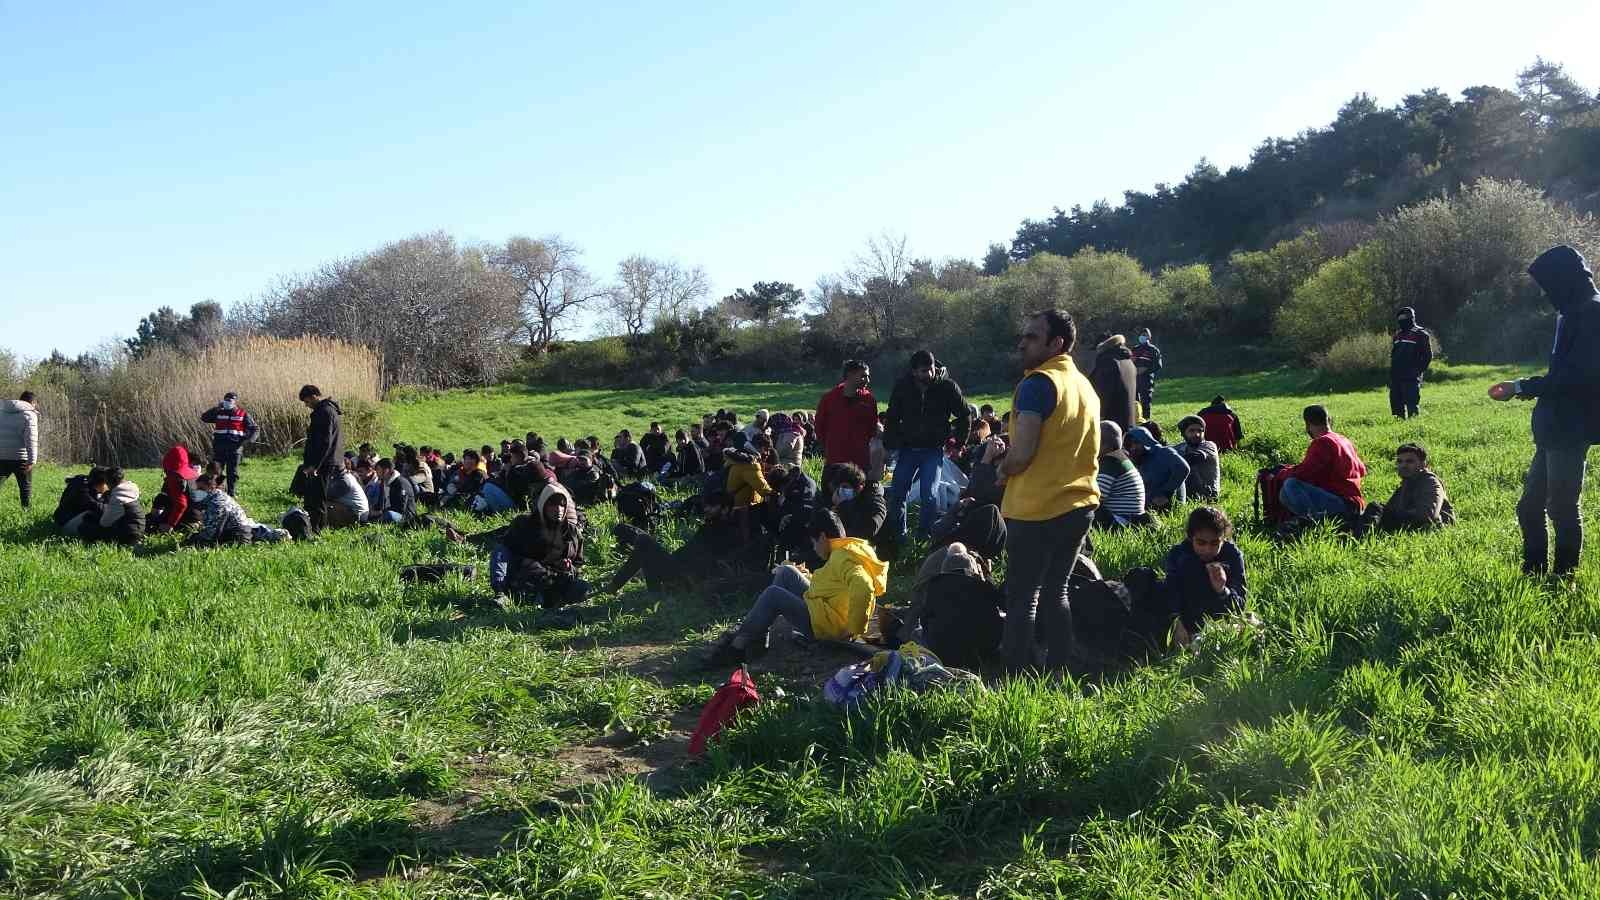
(1309, 500)
(785, 597)
(922, 463)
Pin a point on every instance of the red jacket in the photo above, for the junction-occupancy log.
(846, 424)
(178, 474)
(1222, 428)
(1332, 464)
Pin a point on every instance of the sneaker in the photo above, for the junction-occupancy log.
(502, 602)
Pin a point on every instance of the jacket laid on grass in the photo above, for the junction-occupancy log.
(1568, 411)
(844, 591)
(19, 431)
(1331, 463)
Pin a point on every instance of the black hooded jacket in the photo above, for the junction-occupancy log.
(1115, 381)
(324, 442)
(1412, 351)
(1568, 411)
(924, 419)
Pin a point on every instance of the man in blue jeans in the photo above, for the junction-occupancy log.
(926, 409)
(1566, 419)
(1328, 480)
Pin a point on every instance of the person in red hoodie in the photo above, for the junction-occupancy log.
(171, 508)
(1328, 480)
(847, 417)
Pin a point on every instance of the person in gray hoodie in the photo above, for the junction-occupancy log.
(19, 443)
(1566, 418)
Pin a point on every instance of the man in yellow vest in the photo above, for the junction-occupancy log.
(1050, 490)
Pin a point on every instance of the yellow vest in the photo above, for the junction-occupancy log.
(1061, 477)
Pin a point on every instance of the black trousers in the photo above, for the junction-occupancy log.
(316, 499)
(1040, 557)
(1146, 392)
(648, 556)
(229, 457)
(24, 478)
(1405, 396)
(1552, 488)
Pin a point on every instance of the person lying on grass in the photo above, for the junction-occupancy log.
(1204, 574)
(834, 604)
(223, 520)
(538, 556)
(718, 547)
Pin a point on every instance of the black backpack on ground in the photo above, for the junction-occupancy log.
(588, 485)
(962, 622)
(1119, 621)
(639, 503)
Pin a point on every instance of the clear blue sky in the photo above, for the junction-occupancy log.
(165, 153)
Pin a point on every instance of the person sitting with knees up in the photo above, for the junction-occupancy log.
(1204, 574)
(1121, 488)
(834, 604)
(1419, 503)
(1161, 467)
(397, 503)
(121, 517)
(539, 554)
(1205, 461)
(1328, 480)
(347, 501)
(223, 521)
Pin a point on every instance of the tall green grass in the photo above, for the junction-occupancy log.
(1410, 718)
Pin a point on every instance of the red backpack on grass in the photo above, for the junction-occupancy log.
(738, 693)
(1268, 508)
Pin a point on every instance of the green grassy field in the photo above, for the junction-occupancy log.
(1412, 718)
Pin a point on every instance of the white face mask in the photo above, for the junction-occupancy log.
(844, 495)
(1143, 339)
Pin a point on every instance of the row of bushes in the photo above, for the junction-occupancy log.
(128, 411)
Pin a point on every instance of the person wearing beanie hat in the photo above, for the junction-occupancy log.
(232, 428)
(1566, 418)
(1409, 359)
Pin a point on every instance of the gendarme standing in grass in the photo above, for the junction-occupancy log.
(1566, 420)
(1051, 496)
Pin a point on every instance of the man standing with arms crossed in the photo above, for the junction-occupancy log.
(234, 427)
(1051, 493)
(1566, 420)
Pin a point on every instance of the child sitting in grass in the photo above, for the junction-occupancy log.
(1205, 573)
(834, 604)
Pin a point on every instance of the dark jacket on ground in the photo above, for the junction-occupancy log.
(1568, 411)
(1411, 354)
(1116, 382)
(1189, 587)
(920, 420)
(324, 440)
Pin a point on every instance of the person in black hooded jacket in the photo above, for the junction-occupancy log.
(323, 459)
(926, 409)
(1566, 418)
(1409, 359)
(1116, 381)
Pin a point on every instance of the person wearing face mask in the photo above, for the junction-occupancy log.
(1420, 502)
(232, 428)
(1566, 418)
(1409, 359)
(1147, 363)
(858, 501)
(1204, 574)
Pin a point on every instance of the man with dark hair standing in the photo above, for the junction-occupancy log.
(1566, 420)
(19, 443)
(233, 428)
(323, 458)
(926, 409)
(1409, 359)
(847, 417)
(1051, 492)
(1147, 362)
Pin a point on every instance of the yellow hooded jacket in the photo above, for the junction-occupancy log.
(844, 591)
(747, 483)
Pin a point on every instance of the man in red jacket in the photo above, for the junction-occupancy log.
(847, 417)
(1328, 480)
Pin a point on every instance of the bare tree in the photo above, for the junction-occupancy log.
(553, 285)
(881, 274)
(649, 289)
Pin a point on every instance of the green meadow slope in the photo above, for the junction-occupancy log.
(1411, 718)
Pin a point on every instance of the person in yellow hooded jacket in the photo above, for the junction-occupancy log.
(834, 604)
